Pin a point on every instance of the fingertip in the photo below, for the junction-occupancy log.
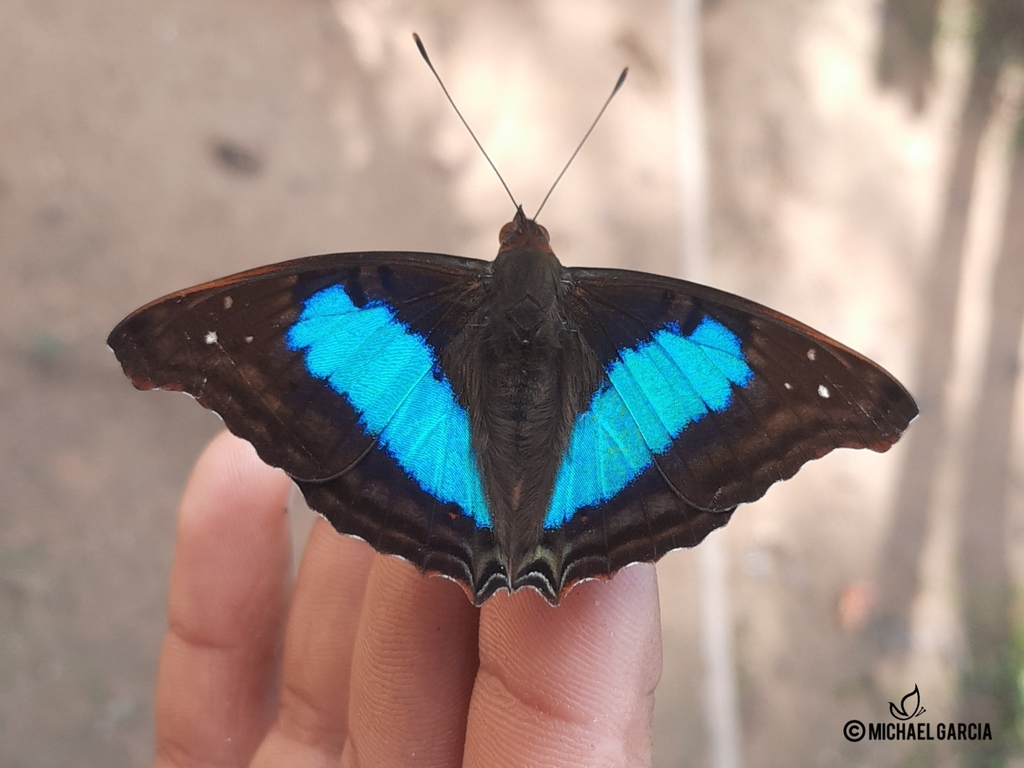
(574, 682)
(226, 608)
(596, 622)
(413, 667)
(229, 475)
(232, 537)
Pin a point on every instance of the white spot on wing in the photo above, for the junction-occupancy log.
(812, 354)
(228, 301)
(211, 337)
(823, 391)
(248, 339)
(787, 385)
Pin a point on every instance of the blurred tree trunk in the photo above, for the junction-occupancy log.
(988, 689)
(898, 577)
(989, 683)
(905, 55)
(999, 38)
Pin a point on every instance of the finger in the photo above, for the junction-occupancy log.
(413, 670)
(312, 720)
(572, 685)
(225, 610)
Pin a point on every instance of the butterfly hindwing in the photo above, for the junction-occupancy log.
(766, 394)
(391, 512)
(644, 521)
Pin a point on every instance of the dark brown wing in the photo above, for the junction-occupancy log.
(226, 344)
(800, 396)
(808, 395)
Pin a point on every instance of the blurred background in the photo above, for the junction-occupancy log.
(865, 163)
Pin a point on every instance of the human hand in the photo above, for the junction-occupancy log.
(364, 662)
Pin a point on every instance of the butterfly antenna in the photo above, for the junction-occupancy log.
(590, 130)
(423, 53)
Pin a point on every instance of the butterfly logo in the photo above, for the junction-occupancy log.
(910, 706)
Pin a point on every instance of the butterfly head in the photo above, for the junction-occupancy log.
(523, 233)
(526, 281)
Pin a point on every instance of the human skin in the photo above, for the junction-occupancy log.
(365, 662)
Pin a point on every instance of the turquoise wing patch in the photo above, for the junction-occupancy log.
(652, 393)
(390, 376)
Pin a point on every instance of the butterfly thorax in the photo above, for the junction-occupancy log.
(531, 377)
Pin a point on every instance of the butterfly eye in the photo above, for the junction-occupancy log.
(544, 231)
(506, 231)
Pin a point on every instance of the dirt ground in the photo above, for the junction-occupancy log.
(145, 147)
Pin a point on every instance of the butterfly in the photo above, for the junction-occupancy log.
(512, 423)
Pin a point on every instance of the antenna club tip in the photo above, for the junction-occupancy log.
(621, 80)
(421, 47)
